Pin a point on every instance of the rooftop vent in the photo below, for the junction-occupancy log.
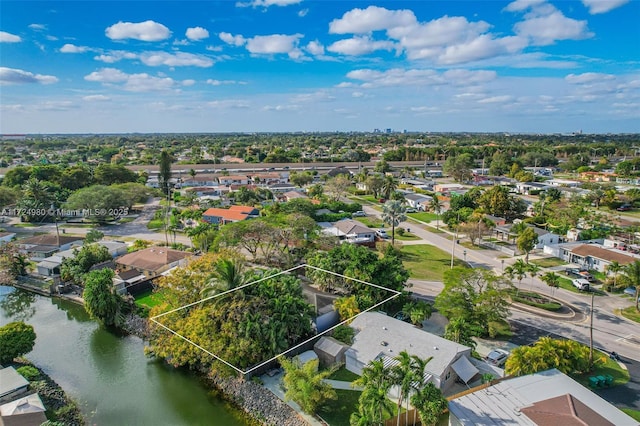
(383, 343)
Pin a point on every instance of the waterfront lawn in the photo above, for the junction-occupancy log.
(338, 411)
(631, 313)
(424, 217)
(149, 299)
(426, 262)
(611, 367)
(344, 375)
(635, 414)
(548, 262)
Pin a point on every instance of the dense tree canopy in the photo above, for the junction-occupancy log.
(100, 299)
(16, 339)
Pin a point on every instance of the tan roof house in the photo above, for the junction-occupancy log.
(152, 261)
(26, 411)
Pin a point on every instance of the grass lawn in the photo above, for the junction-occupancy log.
(502, 329)
(371, 222)
(631, 313)
(338, 411)
(424, 216)
(567, 285)
(548, 262)
(407, 236)
(149, 299)
(611, 367)
(25, 225)
(633, 413)
(426, 262)
(344, 375)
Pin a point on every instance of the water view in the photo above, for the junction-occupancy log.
(109, 376)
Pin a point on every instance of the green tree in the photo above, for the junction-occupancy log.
(74, 268)
(229, 273)
(631, 273)
(393, 212)
(614, 268)
(460, 331)
(305, 385)
(500, 163)
(99, 296)
(518, 270)
(108, 174)
(436, 206)
(97, 200)
(16, 339)
(499, 202)
(430, 404)
(337, 186)
(551, 279)
(93, 236)
(459, 167)
(13, 263)
(527, 241)
(418, 311)
(389, 186)
(375, 183)
(347, 307)
(373, 403)
(8, 196)
(165, 171)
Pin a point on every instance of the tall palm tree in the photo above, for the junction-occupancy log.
(376, 381)
(418, 368)
(518, 270)
(394, 212)
(551, 279)
(632, 273)
(402, 377)
(533, 271)
(436, 205)
(614, 268)
(228, 274)
(389, 187)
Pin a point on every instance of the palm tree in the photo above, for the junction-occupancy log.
(614, 267)
(376, 381)
(436, 206)
(393, 212)
(551, 279)
(632, 273)
(429, 403)
(305, 385)
(518, 270)
(402, 376)
(389, 186)
(418, 368)
(533, 270)
(228, 274)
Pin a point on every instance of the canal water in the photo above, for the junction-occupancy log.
(108, 375)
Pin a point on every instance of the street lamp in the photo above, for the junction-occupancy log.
(464, 253)
(502, 261)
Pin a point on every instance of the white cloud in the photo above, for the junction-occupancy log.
(373, 18)
(303, 12)
(496, 99)
(6, 37)
(319, 96)
(224, 82)
(214, 48)
(188, 82)
(115, 56)
(18, 76)
(267, 3)
(395, 77)
(281, 107)
(131, 82)
(38, 27)
(588, 78)
(96, 98)
(315, 48)
(603, 6)
(520, 5)
(51, 38)
(144, 31)
(55, 106)
(359, 45)
(229, 38)
(229, 104)
(179, 59)
(544, 24)
(71, 48)
(462, 77)
(197, 33)
(275, 43)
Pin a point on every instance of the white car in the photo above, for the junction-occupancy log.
(382, 234)
(359, 213)
(497, 357)
(581, 284)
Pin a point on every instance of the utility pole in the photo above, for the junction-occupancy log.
(453, 245)
(591, 334)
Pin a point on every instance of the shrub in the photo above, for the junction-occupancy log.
(28, 372)
(344, 334)
(400, 231)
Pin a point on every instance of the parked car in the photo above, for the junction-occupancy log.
(572, 272)
(382, 234)
(631, 291)
(497, 357)
(587, 276)
(412, 210)
(581, 284)
(624, 208)
(359, 213)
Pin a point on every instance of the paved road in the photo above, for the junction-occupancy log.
(610, 331)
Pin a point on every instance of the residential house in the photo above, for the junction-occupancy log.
(545, 238)
(40, 246)
(152, 261)
(354, 232)
(218, 216)
(12, 384)
(233, 180)
(563, 182)
(50, 266)
(499, 221)
(26, 411)
(268, 178)
(292, 195)
(595, 256)
(418, 201)
(330, 351)
(131, 281)
(544, 398)
(279, 188)
(527, 188)
(6, 237)
(381, 337)
(448, 188)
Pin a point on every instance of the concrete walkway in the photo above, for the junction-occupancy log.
(274, 384)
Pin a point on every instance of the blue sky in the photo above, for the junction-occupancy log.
(297, 65)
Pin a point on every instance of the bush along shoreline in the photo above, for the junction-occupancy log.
(60, 407)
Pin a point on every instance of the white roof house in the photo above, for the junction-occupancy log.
(379, 336)
(11, 382)
(545, 398)
(355, 232)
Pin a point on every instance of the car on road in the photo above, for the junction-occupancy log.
(381, 233)
(630, 291)
(581, 284)
(359, 213)
(411, 210)
(624, 208)
(497, 357)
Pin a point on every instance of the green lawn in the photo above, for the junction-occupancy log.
(548, 262)
(426, 262)
(633, 413)
(567, 285)
(424, 216)
(611, 367)
(371, 222)
(631, 313)
(500, 329)
(344, 375)
(407, 236)
(149, 299)
(338, 411)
